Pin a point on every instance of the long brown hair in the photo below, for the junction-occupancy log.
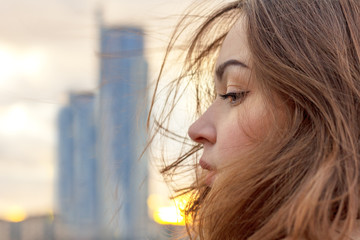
(302, 180)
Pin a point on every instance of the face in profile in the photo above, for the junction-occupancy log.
(237, 119)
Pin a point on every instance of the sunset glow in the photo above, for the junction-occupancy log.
(15, 214)
(168, 215)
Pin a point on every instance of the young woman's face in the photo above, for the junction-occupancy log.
(236, 120)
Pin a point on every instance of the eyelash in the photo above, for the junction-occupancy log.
(236, 97)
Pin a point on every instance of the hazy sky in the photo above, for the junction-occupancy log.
(48, 47)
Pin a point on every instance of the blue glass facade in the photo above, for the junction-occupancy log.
(102, 183)
(77, 172)
(65, 167)
(121, 108)
(85, 193)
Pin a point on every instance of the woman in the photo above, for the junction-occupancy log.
(280, 139)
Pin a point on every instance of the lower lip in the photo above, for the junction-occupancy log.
(210, 177)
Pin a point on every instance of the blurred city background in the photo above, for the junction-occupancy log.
(75, 78)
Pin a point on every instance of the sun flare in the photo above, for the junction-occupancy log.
(168, 215)
(15, 214)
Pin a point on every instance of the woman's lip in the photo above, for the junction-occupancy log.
(205, 165)
(210, 175)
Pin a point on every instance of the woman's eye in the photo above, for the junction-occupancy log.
(234, 97)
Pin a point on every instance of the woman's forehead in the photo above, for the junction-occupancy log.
(235, 45)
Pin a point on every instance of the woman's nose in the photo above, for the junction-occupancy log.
(203, 130)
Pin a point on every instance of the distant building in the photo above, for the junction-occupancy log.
(37, 228)
(33, 228)
(121, 120)
(77, 170)
(5, 230)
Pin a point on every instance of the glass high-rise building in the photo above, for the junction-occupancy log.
(121, 119)
(77, 170)
(65, 164)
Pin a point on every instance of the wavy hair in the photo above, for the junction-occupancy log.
(302, 180)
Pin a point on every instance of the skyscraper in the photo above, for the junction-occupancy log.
(121, 116)
(77, 171)
(65, 168)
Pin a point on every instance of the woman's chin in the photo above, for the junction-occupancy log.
(210, 178)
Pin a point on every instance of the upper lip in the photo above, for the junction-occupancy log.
(205, 165)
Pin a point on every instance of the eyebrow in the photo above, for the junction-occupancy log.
(222, 67)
